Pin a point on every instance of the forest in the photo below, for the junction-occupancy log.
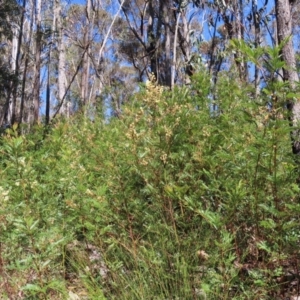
(149, 149)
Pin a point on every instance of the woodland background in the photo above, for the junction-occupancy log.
(61, 57)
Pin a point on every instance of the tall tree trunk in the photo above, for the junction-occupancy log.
(284, 34)
(17, 67)
(185, 46)
(28, 29)
(48, 88)
(11, 105)
(158, 47)
(62, 79)
(168, 63)
(173, 70)
(86, 58)
(185, 42)
(152, 48)
(37, 62)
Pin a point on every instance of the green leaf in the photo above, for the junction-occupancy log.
(32, 287)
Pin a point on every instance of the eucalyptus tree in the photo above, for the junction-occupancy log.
(61, 49)
(89, 65)
(159, 38)
(9, 20)
(284, 33)
(37, 60)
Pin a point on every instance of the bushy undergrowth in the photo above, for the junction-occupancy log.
(185, 196)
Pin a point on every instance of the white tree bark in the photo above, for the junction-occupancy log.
(13, 65)
(37, 62)
(173, 70)
(168, 62)
(62, 79)
(86, 59)
(284, 34)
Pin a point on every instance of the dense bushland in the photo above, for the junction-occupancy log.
(188, 195)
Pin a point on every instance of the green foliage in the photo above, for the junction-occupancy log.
(179, 198)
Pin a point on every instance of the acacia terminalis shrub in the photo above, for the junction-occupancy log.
(189, 193)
